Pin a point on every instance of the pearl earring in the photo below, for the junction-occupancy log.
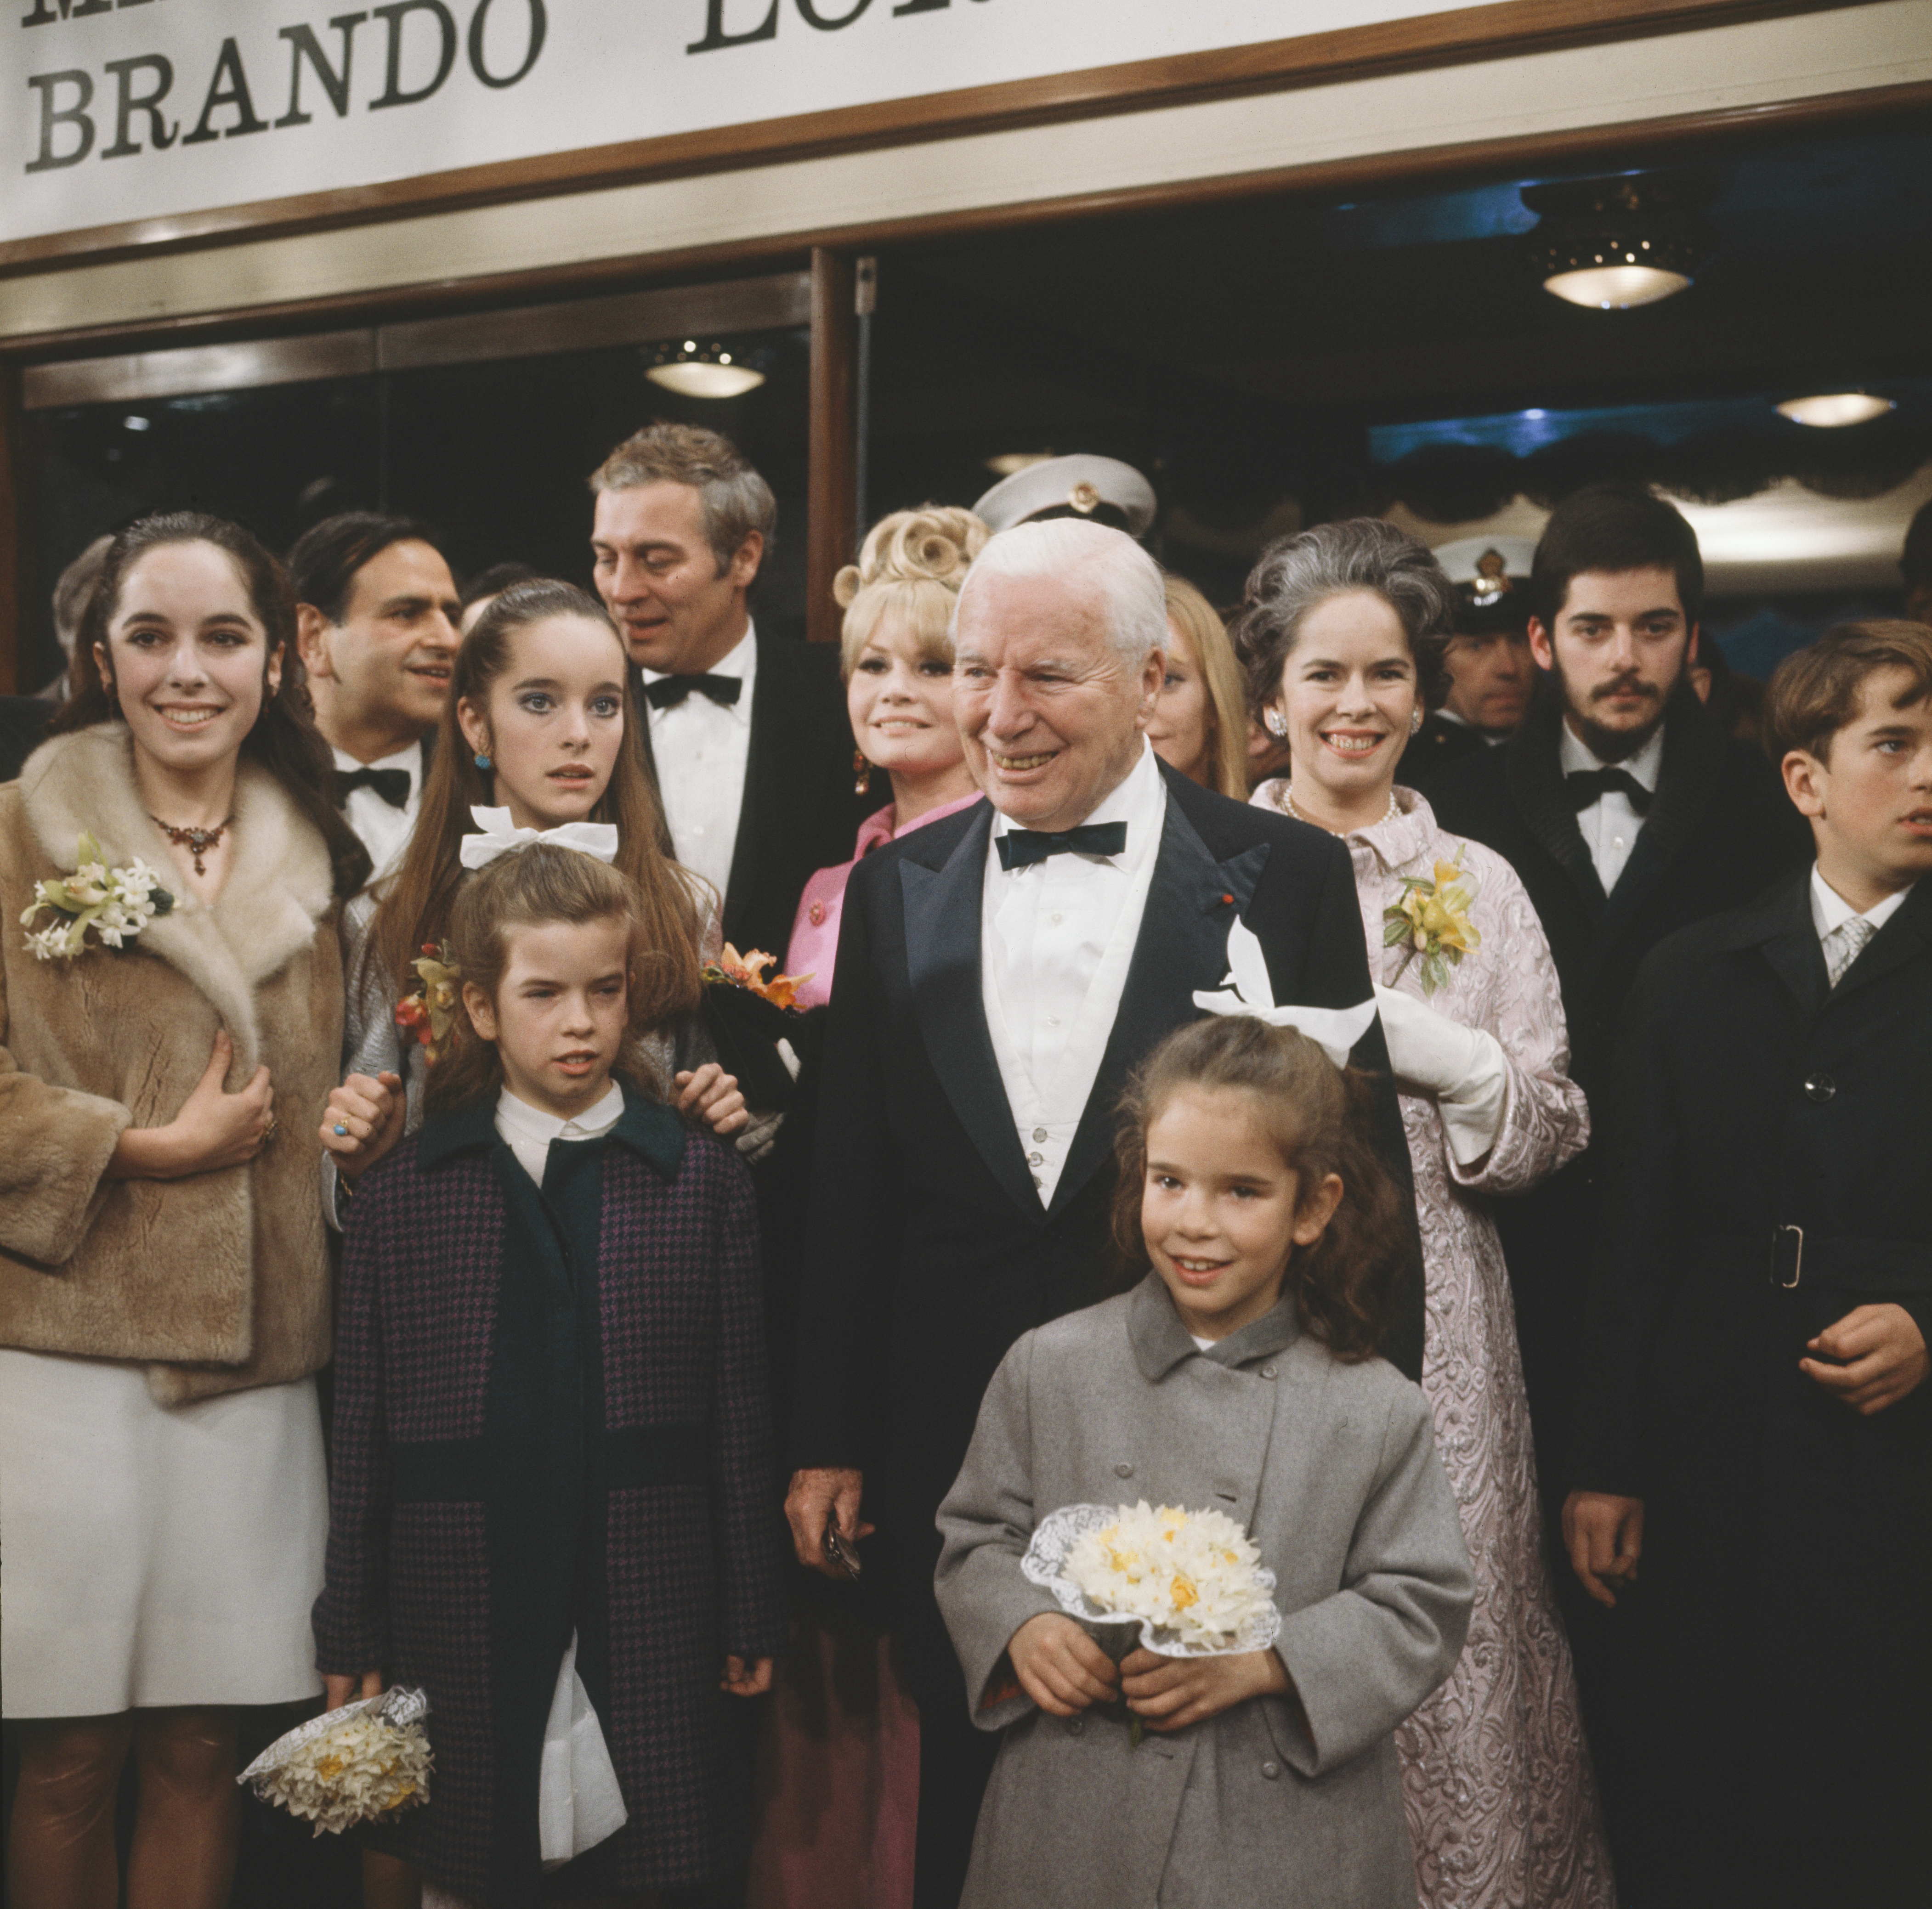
(1415, 720)
(1275, 724)
(484, 762)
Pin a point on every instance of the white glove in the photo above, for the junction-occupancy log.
(1462, 1067)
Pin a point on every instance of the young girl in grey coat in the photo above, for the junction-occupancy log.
(1239, 1376)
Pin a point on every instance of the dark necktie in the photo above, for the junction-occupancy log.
(667, 692)
(1021, 848)
(1591, 785)
(392, 784)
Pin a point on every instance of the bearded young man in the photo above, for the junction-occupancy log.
(1628, 815)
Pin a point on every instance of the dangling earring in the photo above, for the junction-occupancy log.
(484, 762)
(1415, 720)
(1276, 723)
(862, 773)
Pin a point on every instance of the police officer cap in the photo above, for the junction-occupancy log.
(1102, 489)
(1491, 575)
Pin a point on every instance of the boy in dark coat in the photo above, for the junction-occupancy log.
(1755, 1427)
(552, 1429)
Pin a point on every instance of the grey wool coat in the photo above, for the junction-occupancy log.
(1332, 1468)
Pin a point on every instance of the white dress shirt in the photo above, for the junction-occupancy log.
(1831, 915)
(528, 1131)
(1609, 824)
(384, 829)
(701, 749)
(1056, 939)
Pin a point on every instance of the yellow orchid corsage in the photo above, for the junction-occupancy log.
(1431, 919)
(428, 1011)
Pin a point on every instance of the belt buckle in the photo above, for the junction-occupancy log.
(1780, 1252)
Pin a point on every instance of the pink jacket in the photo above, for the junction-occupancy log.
(814, 932)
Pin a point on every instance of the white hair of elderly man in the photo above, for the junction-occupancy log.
(1129, 579)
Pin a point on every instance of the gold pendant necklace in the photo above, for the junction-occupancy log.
(197, 841)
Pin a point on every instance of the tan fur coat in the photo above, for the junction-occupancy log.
(218, 1281)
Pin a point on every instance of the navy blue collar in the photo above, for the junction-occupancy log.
(647, 1127)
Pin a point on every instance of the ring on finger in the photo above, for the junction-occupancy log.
(341, 1130)
(268, 1131)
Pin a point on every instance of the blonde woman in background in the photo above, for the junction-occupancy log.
(897, 657)
(1200, 722)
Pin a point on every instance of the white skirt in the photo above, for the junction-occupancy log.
(153, 1556)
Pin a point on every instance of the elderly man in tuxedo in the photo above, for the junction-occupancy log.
(1000, 974)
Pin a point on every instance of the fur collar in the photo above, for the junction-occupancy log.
(278, 886)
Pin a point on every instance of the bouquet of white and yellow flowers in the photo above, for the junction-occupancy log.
(369, 1759)
(113, 904)
(1192, 1582)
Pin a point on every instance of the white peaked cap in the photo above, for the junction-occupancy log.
(1080, 484)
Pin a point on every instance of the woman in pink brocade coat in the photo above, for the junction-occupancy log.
(1342, 630)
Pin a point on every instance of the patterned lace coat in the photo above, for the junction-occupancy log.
(1502, 1803)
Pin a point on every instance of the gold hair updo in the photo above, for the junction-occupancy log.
(912, 564)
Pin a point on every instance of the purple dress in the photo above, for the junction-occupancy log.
(814, 931)
(1502, 1801)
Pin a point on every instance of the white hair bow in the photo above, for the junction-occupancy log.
(500, 836)
(1249, 991)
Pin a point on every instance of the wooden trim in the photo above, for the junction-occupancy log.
(17, 543)
(1653, 141)
(1502, 27)
(133, 375)
(831, 508)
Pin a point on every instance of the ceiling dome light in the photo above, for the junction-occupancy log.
(1831, 410)
(1614, 243)
(701, 370)
(1010, 463)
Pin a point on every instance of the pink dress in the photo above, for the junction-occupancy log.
(814, 930)
(1502, 1801)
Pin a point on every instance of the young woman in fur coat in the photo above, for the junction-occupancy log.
(555, 1499)
(163, 1286)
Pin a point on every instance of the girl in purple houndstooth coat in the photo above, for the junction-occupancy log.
(554, 1504)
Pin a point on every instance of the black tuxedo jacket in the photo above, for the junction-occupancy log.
(800, 813)
(1783, 1533)
(1719, 831)
(927, 1251)
(1438, 747)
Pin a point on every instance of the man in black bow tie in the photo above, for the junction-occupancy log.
(375, 628)
(746, 732)
(1000, 972)
(1628, 815)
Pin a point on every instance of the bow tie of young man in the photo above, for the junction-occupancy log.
(392, 784)
(1586, 786)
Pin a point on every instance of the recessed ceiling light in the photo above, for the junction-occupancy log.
(136, 423)
(1010, 462)
(702, 370)
(1831, 410)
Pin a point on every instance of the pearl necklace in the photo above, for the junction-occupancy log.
(1288, 803)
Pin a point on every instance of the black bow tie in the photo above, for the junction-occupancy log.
(1591, 785)
(392, 784)
(1021, 848)
(667, 692)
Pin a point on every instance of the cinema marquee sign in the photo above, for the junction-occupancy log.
(134, 121)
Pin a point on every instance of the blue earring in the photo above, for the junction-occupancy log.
(484, 762)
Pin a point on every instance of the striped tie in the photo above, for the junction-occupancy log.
(1843, 945)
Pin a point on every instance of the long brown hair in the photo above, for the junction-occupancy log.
(530, 888)
(284, 739)
(1320, 1118)
(413, 908)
